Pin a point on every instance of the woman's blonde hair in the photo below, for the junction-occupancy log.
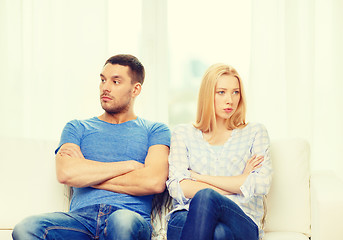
(206, 116)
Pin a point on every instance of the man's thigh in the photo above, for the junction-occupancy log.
(57, 225)
(126, 224)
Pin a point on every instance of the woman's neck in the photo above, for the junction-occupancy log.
(218, 136)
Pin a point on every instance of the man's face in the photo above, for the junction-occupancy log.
(115, 88)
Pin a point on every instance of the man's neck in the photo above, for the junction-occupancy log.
(117, 118)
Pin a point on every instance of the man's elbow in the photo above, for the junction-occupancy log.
(157, 185)
(62, 177)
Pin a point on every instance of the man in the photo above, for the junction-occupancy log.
(114, 163)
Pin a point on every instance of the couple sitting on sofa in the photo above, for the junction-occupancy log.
(219, 167)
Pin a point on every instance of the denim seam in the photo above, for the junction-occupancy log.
(64, 228)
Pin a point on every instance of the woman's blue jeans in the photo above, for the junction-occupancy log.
(93, 222)
(211, 216)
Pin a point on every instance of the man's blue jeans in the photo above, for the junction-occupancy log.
(211, 216)
(93, 222)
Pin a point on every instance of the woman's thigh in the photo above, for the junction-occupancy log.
(175, 224)
(208, 208)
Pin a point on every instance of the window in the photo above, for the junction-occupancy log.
(201, 33)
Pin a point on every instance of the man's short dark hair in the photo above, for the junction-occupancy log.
(137, 68)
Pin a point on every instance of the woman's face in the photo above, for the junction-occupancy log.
(227, 96)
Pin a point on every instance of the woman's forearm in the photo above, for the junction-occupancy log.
(230, 184)
(191, 187)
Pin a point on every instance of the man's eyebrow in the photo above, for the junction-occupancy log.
(112, 77)
(116, 76)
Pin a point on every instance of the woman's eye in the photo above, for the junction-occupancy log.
(236, 92)
(220, 92)
(103, 80)
(116, 82)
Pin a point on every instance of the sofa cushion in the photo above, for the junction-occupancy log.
(28, 178)
(5, 234)
(284, 236)
(288, 202)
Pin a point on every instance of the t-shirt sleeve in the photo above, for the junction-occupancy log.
(159, 134)
(72, 133)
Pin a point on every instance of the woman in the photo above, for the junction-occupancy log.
(220, 168)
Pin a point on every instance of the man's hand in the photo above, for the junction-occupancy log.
(71, 150)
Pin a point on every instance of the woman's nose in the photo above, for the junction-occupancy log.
(229, 99)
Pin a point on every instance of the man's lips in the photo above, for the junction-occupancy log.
(106, 98)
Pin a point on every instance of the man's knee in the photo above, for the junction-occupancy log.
(29, 228)
(126, 224)
(125, 218)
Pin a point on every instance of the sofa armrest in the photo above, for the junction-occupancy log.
(68, 192)
(326, 206)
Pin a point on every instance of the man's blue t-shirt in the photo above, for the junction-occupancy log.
(105, 142)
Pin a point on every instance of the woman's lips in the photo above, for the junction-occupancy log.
(228, 110)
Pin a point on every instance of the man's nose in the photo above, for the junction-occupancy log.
(106, 87)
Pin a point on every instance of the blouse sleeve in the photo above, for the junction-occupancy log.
(178, 165)
(258, 182)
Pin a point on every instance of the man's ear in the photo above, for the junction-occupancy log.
(137, 87)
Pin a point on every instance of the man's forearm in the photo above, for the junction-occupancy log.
(78, 172)
(138, 182)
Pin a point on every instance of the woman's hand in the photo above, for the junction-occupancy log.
(253, 163)
(195, 175)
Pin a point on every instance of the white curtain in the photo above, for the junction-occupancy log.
(52, 52)
(51, 56)
(295, 84)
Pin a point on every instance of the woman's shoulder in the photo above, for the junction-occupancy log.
(255, 127)
(184, 128)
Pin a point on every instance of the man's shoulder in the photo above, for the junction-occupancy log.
(82, 121)
(151, 125)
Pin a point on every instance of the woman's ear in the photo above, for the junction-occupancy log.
(136, 89)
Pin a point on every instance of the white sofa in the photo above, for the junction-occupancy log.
(299, 205)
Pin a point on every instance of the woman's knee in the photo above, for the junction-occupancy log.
(222, 232)
(206, 196)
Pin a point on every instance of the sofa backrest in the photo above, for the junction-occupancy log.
(288, 202)
(28, 180)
